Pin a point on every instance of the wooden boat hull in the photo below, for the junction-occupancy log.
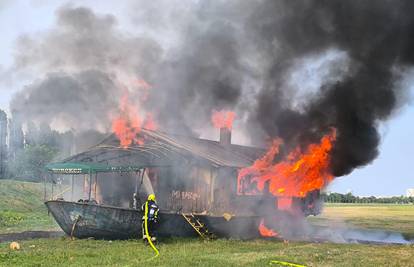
(83, 220)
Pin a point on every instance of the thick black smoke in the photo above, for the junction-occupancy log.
(250, 56)
(206, 68)
(378, 38)
(207, 74)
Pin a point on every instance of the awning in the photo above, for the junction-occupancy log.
(85, 168)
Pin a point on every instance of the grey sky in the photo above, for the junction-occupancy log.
(389, 174)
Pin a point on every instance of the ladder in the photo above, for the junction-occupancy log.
(198, 226)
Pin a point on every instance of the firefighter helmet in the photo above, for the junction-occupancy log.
(151, 197)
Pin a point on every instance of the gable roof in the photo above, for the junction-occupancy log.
(162, 145)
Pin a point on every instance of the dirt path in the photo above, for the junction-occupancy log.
(30, 235)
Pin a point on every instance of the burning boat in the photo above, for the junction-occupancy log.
(96, 193)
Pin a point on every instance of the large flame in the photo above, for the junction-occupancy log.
(266, 232)
(295, 176)
(129, 122)
(223, 119)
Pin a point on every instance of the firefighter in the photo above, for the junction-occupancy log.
(150, 210)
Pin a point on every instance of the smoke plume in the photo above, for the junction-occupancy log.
(376, 35)
(289, 69)
(83, 64)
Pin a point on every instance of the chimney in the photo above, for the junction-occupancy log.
(225, 136)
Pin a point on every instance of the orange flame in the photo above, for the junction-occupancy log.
(266, 232)
(294, 176)
(223, 119)
(129, 122)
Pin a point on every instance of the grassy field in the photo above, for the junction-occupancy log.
(21, 203)
(22, 208)
(193, 252)
(399, 218)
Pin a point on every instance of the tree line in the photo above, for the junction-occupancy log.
(24, 154)
(350, 198)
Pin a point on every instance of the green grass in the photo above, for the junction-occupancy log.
(22, 208)
(193, 252)
(399, 218)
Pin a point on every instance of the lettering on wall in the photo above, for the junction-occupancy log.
(184, 195)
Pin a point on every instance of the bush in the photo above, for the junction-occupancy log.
(30, 162)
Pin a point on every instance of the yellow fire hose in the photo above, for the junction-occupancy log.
(284, 263)
(157, 253)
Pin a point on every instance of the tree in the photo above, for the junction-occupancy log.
(16, 138)
(30, 162)
(3, 144)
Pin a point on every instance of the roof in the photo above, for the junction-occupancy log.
(84, 168)
(162, 147)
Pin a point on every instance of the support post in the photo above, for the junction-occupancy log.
(71, 191)
(90, 185)
(52, 180)
(84, 186)
(96, 182)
